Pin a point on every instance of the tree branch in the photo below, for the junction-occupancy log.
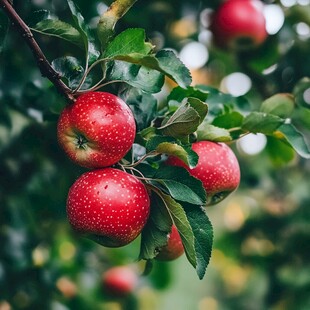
(45, 67)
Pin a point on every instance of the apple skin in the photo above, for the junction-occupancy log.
(119, 281)
(109, 206)
(239, 24)
(174, 247)
(218, 169)
(97, 130)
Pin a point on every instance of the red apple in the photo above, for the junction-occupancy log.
(110, 206)
(97, 130)
(217, 168)
(239, 24)
(119, 281)
(174, 247)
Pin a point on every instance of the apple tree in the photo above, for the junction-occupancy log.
(116, 149)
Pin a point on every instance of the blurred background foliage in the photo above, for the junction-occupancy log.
(261, 253)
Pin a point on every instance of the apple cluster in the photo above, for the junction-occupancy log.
(110, 205)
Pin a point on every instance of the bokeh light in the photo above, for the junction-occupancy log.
(194, 55)
(252, 144)
(306, 96)
(274, 16)
(303, 30)
(236, 84)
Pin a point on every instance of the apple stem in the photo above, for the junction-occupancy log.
(109, 18)
(45, 68)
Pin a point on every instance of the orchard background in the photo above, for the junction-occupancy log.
(258, 102)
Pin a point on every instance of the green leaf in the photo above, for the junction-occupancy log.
(181, 185)
(281, 105)
(59, 29)
(279, 151)
(200, 107)
(89, 42)
(203, 234)
(181, 222)
(4, 26)
(291, 135)
(212, 133)
(128, 42)
(154, 234)
(299, 92)
(70, 68)
(38, 16)
(172, 66)
(143, 106)
(154, 142)
(262, 122)
(228, 120)
(179, 93)
(184, 121)
(164, 61)
(170, 146)
(143, 78)
(185, 153)
(217, 100)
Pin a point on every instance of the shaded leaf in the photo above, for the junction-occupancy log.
(290, 134)
(200, 107)
(154, 234)
(184, 121)
(261, 122)
(279, 151)
(164, 61)
(59, 29)
(203, 235)
(217, 100)
(186, 154)
(143, 78)
(212, 133)
(179, 218)
(128, 42)
(169, 146)
(92, 52)
(38, 16)
(181, 185)
(143, 106)
(281, 105)
(228, 120)
(70, 68)
(179, 93)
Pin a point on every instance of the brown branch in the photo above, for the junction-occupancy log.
(45, 67)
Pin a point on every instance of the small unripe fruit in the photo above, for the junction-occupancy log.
(108, 205)
(239, 24)
(97, 130)
(119, 281)
(174, 247)
(218, 169)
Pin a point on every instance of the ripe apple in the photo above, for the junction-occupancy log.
(119, 281)
(174, 247)
(218, 169)
(239, 24)
(97, 130)
(110, 206)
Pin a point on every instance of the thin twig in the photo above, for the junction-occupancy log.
(45, 67)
